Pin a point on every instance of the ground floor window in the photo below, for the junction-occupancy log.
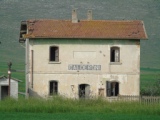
(112, 88)
(53, 87)
(84, 90)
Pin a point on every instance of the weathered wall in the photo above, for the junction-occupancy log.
(84, 52)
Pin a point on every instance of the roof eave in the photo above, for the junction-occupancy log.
(3, 76)
(144, 38)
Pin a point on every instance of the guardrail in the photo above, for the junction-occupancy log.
(141, 99)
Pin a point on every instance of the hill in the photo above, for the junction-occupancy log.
(12, 12)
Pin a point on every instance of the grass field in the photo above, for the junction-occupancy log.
(60, 108)
(63, 105)
(148, 80)
(75, 116)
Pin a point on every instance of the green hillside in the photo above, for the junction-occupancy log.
(12, 12)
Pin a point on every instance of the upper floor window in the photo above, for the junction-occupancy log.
(115, 54)
(23, 31)
(54, 54)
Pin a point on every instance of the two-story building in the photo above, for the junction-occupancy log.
(82, 58)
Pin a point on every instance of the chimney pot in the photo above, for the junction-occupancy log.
(89, 15)
(74, 16)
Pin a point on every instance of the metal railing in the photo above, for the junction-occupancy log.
(141, 99)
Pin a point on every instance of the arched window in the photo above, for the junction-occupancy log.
(54, 54)
(53, 87)
(115, 54)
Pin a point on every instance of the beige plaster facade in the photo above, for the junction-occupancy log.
(85, 62)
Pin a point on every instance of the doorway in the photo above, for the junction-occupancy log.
(4, 92)
(84, 90)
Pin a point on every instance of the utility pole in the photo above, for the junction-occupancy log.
(9, 77)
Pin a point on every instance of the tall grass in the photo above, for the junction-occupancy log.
(64, 105)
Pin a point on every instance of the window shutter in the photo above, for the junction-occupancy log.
(116, 55)
(87, 91)
(108, 87)
(54, 87)
(57, 54)
(112, 55)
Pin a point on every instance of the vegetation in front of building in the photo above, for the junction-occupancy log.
(59, 104)
(74, 116)
(84, 109)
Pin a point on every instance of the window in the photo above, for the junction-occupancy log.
(112, 88)
(23, 31)
(54, 54)
(53, 87)
(114, 54)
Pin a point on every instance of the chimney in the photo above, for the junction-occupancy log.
(74, 16)
(89, 15)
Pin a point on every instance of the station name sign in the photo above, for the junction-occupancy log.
(83, 67)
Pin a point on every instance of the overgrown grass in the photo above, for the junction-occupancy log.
(63, 105)
(74, 116)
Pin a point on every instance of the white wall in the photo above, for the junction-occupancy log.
(85, 52)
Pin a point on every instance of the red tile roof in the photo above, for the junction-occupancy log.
(95, 29)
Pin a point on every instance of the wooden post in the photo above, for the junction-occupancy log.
(9, 77)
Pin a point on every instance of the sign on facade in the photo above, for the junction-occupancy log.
(83, 67)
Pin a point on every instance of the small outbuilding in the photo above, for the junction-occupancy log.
(4, 87)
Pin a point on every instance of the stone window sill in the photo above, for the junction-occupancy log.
(54, 62)
(115, 63)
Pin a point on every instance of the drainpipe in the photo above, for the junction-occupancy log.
(32, 68)
(27, 71)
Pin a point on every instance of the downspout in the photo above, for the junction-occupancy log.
(27, 67)
(32, 68)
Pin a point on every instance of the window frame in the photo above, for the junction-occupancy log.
(109, 88)
(115, 59)
(56, 54)
(53, 82)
